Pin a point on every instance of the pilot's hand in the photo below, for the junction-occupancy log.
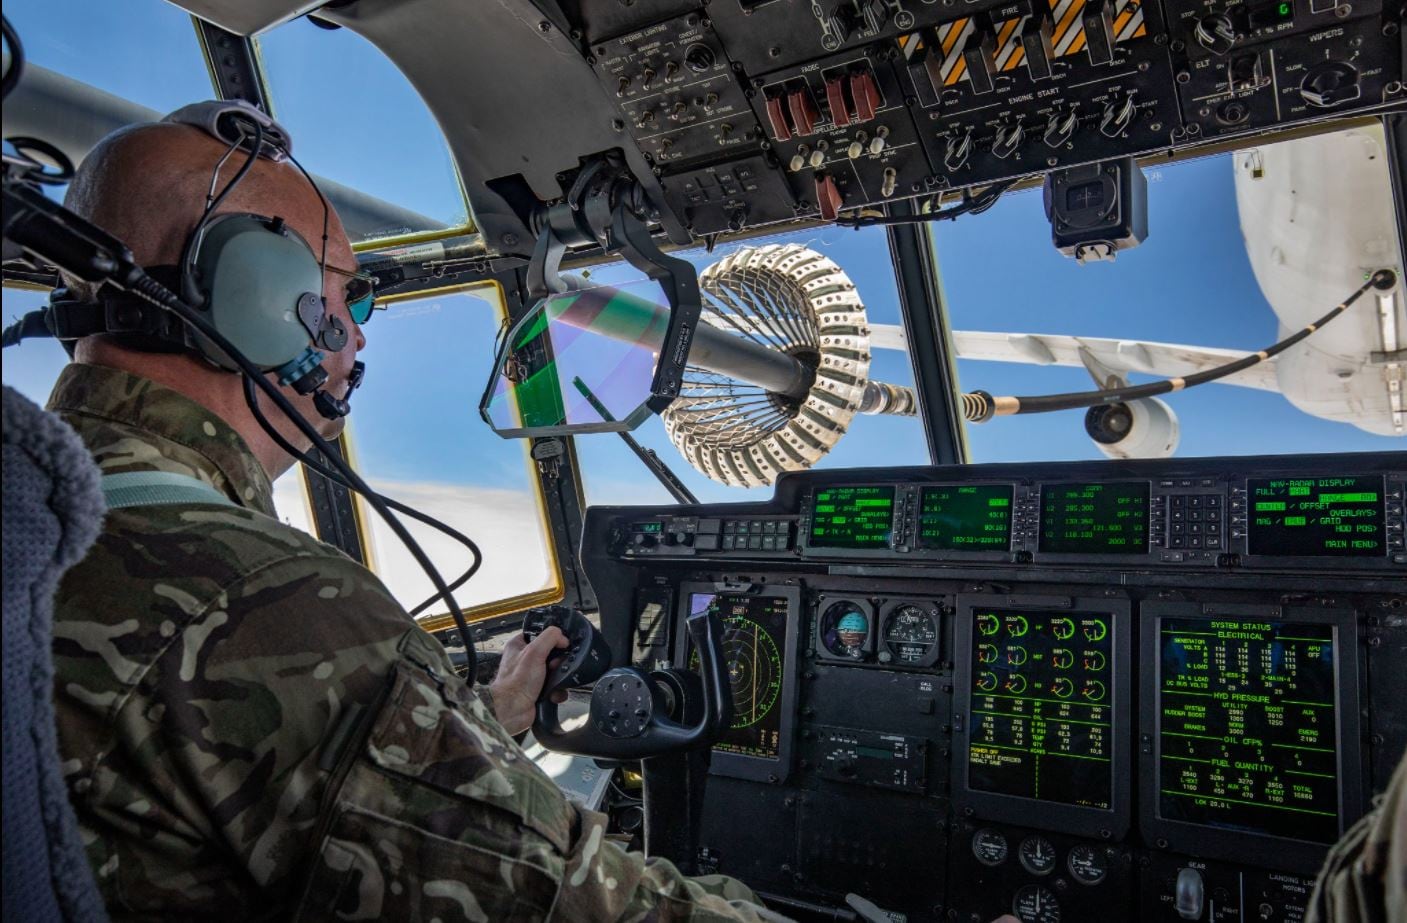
(1006, 918)
(521, 674)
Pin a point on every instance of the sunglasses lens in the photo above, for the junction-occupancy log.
(361, 298)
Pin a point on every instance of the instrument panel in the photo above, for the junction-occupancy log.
(752, 112)
(1004, 695)
(1229, 521)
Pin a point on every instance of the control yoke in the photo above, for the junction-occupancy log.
(634, 714)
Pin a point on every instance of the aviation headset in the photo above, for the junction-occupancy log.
(257, 280)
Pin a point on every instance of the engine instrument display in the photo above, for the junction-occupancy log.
(852, 517)
(1042, 710)
(1338, 517)
(965, 517)
(754, 636)
(1110, 518)
(1247, 726)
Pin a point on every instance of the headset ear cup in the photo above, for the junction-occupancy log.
(255, 270)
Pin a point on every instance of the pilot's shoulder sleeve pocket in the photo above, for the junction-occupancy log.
(435, 733)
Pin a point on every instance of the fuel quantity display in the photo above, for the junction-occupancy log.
(973, 517)
(1094, 518)
(1328, 517)
(1042, 706)
(852, 517)
(1247, 726)
(754, 633)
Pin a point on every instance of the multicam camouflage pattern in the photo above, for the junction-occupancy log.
(1364, 879)
(206, 658)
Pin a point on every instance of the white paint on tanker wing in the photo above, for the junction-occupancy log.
(1317, 216)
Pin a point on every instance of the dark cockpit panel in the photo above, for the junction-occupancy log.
(1153, 690)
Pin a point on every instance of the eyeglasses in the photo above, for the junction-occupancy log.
(361, 293)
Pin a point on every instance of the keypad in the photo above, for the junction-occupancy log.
(1196, 522)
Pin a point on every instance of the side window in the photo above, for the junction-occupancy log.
(33, 366)
(417, 438)
(391, 152)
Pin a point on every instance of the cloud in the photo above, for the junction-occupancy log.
(505, 524)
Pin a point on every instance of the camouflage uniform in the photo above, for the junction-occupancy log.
(253, 728)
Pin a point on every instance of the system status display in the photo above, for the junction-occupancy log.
(975, 517)
(754, 636)
(1042, 706)
(852, 517)
(1327, 517)
(1094, 518)
(1247, 726)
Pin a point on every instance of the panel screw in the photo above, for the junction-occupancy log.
(510, 239)
(774, 52)
(544, 26)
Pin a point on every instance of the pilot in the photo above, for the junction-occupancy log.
(210, 659)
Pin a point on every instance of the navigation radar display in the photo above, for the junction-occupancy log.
(754, 634)
(1247, 726)
(1332, 517)
(1042, 710)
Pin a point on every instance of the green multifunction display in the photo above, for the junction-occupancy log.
(1094, 518)
(1338, 517)
(754, 636)
(852, 517)
(1247, 727)
(1042, 709)
(965, 518)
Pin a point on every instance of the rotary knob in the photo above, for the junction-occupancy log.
(1009, 137)
(1060, 128)
(1330, 84)
(1117, 116)
(957, 149)
(1216, 33)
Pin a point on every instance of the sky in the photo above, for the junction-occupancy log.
(355, 119)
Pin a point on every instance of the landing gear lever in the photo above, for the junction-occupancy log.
(634, 714)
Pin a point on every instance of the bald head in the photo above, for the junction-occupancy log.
(147, 186)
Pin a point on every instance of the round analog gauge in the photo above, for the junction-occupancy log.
(1087, 865)
(1037, 855)
(989, 847)
(1035, 904)
(845, 630)
(911, 636)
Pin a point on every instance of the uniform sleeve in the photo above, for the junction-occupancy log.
(441, 815)
(212, 790)
(299, 738)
